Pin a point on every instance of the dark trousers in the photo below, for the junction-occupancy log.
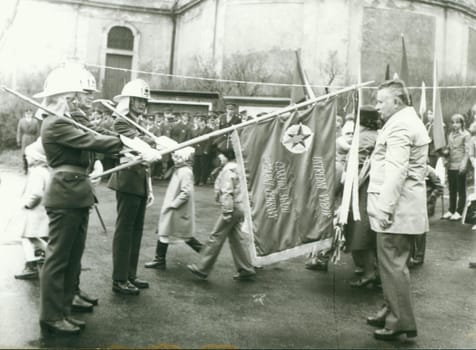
(25, 164)
(419, 247)
(200, 169)
(457, 188)
(393, 252)
(67, 237)
(128, 235)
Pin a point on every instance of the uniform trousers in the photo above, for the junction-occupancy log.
(67, 237)
(200, 169)
(393, 251)
(128, 235)
(239, 245)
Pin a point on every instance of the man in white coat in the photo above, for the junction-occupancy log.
(397, 205)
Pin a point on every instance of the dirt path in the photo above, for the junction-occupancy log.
(287, 307)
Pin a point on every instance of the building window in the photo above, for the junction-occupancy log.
(120, 38)
(119, 54)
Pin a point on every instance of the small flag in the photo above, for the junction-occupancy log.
(404, 75)
(439, 138)
(387, 72)
(300, 93)
(422, 109)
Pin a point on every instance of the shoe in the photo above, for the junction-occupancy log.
(195, 244)
(447, 215)
(414, 262)
(30, 272)
(379, 319)
(157, 263)
(194, 269)
(363, 282)
(59, 327)
(141, 284)
(472, 265)
(86, 297)
(76, 322)
(126, 288)
(80, 305)
(316, 265)
(244, 276)
(455, 217)
(358, 271)
(389, 334)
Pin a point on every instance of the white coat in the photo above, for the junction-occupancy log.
(397, 174)
(177, 215)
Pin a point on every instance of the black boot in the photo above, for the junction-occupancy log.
(159, 260)
(30, 272)
(195, 244)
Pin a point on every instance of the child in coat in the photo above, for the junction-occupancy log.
(33, 220)
(228, 194)
(177, 215)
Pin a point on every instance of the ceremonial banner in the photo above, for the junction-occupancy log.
(289, 174)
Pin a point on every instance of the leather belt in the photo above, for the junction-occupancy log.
(70, 169)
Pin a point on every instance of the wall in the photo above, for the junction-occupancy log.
(363, 34)
(45, 33)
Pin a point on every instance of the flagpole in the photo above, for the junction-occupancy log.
(233, 127)
(46, 109)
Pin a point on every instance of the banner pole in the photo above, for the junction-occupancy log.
(49, 111)
(230, 128)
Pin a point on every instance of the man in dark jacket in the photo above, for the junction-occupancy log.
(133, 194)
(68, 200)
(200, 162)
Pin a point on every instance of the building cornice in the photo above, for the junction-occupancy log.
(456, 5)
(112, 6)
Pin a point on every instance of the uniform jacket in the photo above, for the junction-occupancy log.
(134, 179)
(224, 141)
(228, 190)
(181, 132)
(27, 132)
(397, 174)
(177, 216)
(65, 144)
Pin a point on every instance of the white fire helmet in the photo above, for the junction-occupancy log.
(134, 88)
(69, 77)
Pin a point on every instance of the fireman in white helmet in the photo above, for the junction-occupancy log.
(67, 200)
(82, 106)
(133, 194)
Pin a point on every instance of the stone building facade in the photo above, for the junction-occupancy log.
(256, 38)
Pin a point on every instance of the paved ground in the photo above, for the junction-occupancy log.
(287, 307)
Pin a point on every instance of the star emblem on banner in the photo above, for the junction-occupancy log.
(297, 138)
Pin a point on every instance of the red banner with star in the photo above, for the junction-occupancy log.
(288, 177)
